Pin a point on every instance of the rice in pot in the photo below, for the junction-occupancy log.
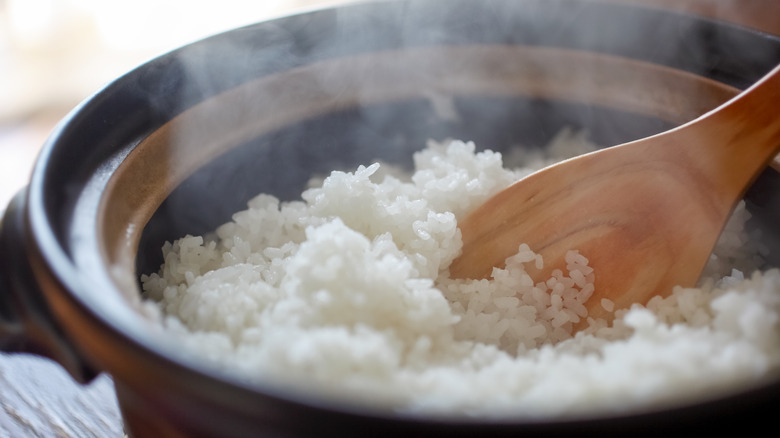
(346, 294)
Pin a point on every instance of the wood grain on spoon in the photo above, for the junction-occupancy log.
(646, 214)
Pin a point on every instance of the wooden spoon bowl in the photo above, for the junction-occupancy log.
(646, 214)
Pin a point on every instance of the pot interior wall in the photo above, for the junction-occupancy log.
(392, 133)
(282, 162)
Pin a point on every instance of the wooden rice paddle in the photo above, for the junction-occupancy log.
(646, 214)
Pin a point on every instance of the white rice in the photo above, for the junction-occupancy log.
(346, 294)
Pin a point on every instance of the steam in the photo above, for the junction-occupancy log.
(264, 107)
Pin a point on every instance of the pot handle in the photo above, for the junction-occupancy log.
(27, 325)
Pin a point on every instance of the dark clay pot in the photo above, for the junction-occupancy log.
(177, 145)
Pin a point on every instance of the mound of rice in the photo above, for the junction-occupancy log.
(346, 294)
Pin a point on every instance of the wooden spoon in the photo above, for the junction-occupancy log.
(646, 214)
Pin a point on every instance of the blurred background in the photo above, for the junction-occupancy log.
(55, 53)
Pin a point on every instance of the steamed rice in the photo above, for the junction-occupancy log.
(346, 294)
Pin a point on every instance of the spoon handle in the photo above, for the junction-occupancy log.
(747, 132)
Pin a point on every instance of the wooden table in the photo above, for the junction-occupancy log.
(37, 397)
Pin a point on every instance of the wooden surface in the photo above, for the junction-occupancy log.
(38, 399)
